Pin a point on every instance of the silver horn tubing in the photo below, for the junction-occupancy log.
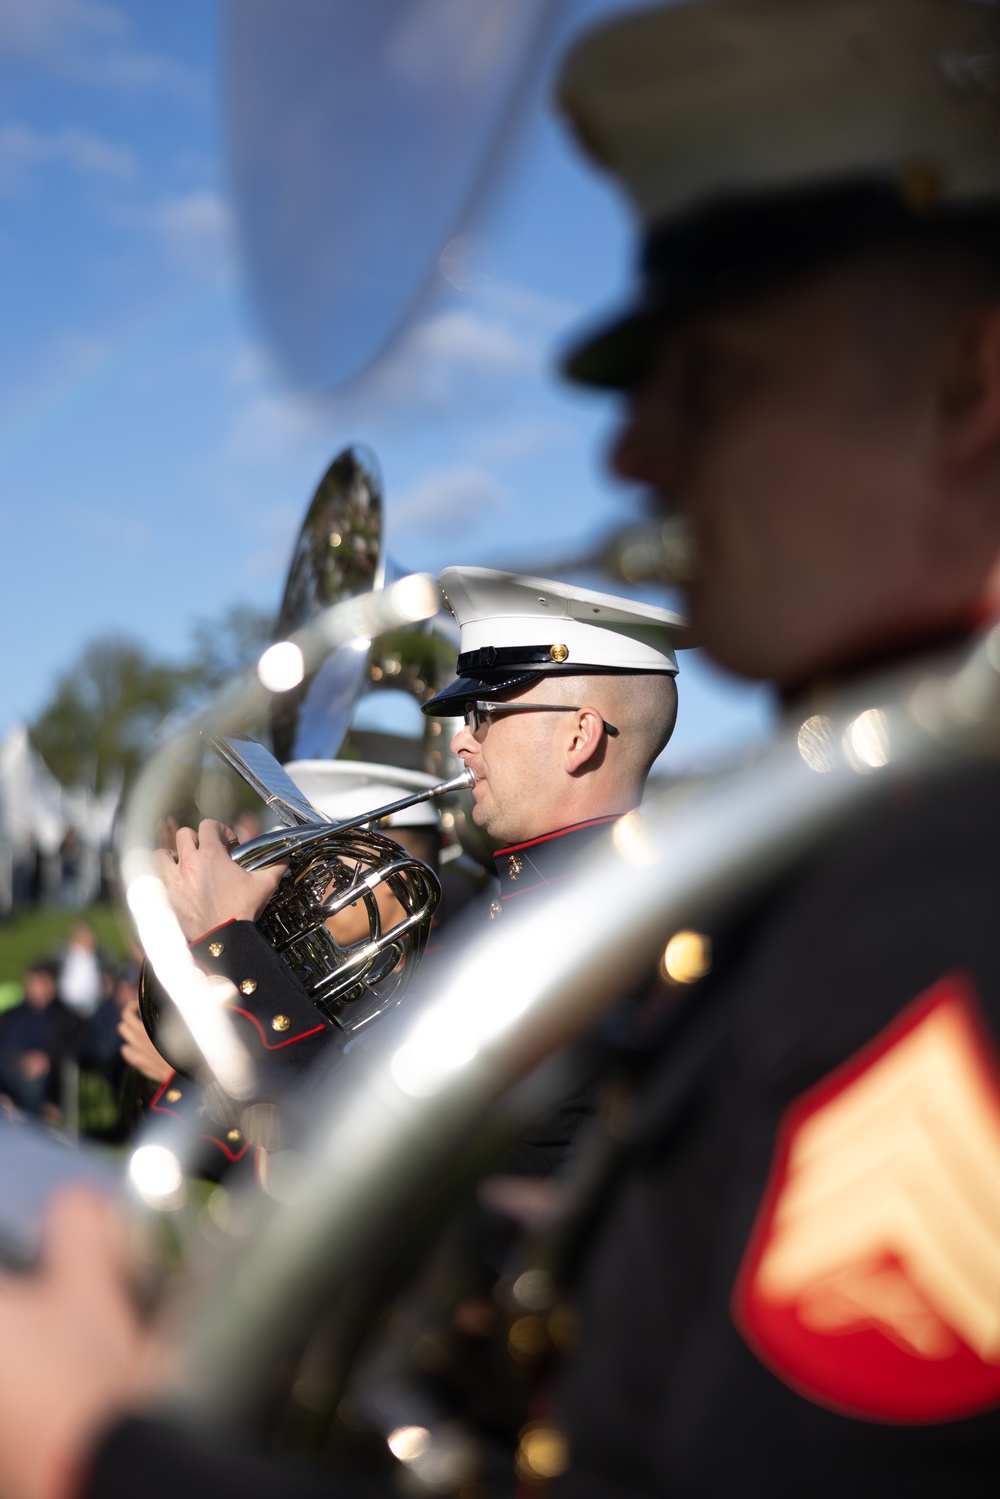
(273, 847)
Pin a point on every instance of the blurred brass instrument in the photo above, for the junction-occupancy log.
(660, 551)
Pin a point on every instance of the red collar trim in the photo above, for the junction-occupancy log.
(592, 822)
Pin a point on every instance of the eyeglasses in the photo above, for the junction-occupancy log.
(476, 712)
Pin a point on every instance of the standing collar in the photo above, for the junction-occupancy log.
(541, 862)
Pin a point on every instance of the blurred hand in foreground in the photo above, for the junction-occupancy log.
(137, 1049)
(205, 888)
(72, 1350)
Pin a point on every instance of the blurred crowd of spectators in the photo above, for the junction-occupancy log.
(67, 1025)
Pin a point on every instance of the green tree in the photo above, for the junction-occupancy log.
(106, 709)
(223, 646)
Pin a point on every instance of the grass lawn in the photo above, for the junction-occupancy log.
(33, 934)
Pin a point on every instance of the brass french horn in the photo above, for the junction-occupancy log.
(331, 865)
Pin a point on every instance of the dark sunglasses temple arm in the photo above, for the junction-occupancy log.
(482, 708)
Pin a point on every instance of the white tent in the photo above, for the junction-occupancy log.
(36, 812)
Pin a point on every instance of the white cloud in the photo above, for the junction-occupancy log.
(455, 359)
(463, 337)
(274, 425)
(22, 147)
(455, 362)
(91, 41)
(459, 265)
(196, 230)
(470, 363)
(448, 496)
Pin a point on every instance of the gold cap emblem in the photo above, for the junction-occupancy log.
(216, 949)
(280, 1023)
(248, 986)
(559, 652)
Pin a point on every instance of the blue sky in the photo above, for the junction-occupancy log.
(154, 465)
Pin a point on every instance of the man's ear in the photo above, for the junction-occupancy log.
(587, 741)
(969, 403)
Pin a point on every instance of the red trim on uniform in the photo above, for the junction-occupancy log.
(229, 1154)
(592, 822)
(263, 1035)
(211, 930)
(154, 1102)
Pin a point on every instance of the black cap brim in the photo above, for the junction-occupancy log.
(450, 701)
(615, 356)
(727, 250)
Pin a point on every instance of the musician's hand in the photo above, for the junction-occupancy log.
(137, 1049)
(205, 888)
(72, 1350)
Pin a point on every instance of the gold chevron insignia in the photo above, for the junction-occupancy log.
(889, 1212)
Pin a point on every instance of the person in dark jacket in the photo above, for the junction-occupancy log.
(35, 1037)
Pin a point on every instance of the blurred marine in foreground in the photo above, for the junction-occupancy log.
(790, 1286)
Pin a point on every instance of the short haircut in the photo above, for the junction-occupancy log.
(642, 705)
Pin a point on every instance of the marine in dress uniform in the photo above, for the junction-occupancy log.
(792, 1285)
(520, 633)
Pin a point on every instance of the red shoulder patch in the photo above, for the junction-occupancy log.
(871, 1283)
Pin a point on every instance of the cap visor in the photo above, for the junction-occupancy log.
(616, 355)
(449, 701)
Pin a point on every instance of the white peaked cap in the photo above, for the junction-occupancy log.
(706, 97)
(347, 788)
(754, 138)
(515, 629)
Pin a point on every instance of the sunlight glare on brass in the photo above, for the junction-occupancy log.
(686, 958)
(543, 1453)
(630, 836)
(866, 741)
(155, 1173)
(408, 1442)
(816, 743)
(282, 666)
(415, 598)
(199, 996)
